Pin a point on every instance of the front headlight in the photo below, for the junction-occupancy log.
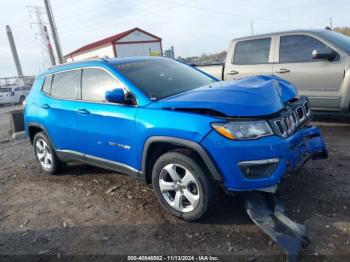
(243, 130)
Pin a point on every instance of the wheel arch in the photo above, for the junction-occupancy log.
(158, 145)
(34, 128)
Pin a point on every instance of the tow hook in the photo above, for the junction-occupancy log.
(267, 212)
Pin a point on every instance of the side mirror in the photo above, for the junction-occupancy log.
(115, 96)
(324, 53)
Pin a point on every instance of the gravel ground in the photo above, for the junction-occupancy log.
(91, 211)
(5, 125)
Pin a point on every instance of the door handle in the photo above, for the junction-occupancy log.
(283, 70)
(232, 72)
(83, 111)
(45, 106)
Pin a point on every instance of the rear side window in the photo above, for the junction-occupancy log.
(66, 85)
(251, 52)
(47, 85)
(95, 83)
(298, 48)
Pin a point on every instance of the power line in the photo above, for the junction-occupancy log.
(78, 5)
(119, 17)
(282, 10)
(39, 22)
(116, 21)
(84, 11)
(184, 4)
(224, 12)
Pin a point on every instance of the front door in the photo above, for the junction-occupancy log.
(107, 129)
(320, 80)
(250, 57)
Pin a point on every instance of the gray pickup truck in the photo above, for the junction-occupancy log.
(317, 62)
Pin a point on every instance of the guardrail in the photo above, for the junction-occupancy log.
(16, 81)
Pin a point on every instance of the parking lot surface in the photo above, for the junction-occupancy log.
(91, 211)
(5, 126)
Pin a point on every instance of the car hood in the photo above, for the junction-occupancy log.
(250, 96)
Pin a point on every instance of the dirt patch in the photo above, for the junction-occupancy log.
(91, 211)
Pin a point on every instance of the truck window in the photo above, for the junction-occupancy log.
(95, 83)
(66, 84)
(251, 52)
(337, 39)
(298, 48)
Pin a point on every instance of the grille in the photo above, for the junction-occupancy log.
(295, 115)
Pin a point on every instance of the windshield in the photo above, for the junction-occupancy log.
(160, 78)
(340, 40)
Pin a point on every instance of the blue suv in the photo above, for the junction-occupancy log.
(171, 125)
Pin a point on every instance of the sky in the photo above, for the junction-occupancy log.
(193, 27)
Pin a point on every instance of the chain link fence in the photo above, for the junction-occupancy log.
(6, 82)
(13, 91)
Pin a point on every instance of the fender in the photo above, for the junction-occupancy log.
(33, 124)
(185, 143)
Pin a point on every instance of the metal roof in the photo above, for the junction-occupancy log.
(310, 31)
(108, 41)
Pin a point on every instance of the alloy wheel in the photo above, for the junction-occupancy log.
(43, 153)
(179, 187)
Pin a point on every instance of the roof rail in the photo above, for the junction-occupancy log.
(104, 59)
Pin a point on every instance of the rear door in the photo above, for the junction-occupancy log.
(5, 95)
(15, 94)
(319, 79)
(249, 57)
(59, 108)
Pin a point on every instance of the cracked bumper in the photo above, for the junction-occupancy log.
(292, 152)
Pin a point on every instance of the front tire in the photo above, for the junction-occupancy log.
(45, 154)
(181, 185)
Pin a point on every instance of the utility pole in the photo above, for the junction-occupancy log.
(43, 34)
(330, 23)
(251, 27)
(54, 31)
(49, 46)
(14, 51)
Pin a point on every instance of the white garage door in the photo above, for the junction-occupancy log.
(142, 49)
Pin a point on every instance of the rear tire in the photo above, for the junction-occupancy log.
(45, 154)
(182, 186)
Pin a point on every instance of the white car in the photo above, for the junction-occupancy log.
(14, 94)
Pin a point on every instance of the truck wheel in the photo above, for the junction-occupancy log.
(45, 154)
(181, 185)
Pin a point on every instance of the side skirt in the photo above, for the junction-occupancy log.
(69, 155)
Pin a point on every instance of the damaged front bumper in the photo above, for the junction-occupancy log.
(257, 164)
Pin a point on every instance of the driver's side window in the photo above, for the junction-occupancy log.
(298, 48)
(94, 84)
